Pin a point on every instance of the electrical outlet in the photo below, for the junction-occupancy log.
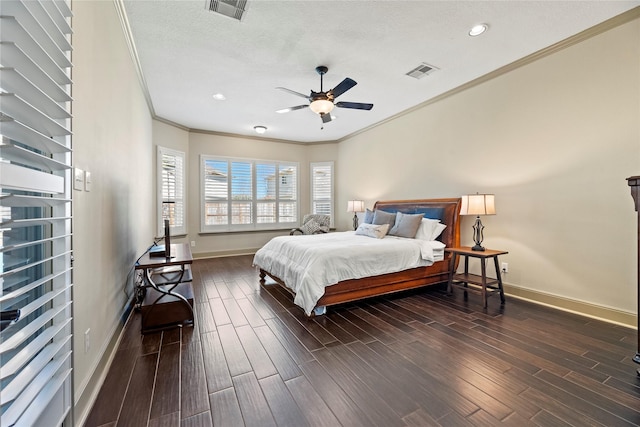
(87, 340)
(505, 267)
(193, 243)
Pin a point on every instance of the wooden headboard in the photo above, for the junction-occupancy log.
(446, 210)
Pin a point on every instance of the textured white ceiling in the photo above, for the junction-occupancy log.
(188, 53)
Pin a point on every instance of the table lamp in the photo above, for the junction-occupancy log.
(355, 206)
(478, 204)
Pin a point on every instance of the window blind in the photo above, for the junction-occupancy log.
(287, 193)
(322, 188)
(241, 193)
(35, 223)
(247, 194)
(266, 193)
(171, 177)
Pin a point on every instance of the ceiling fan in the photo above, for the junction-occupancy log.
(323, 102)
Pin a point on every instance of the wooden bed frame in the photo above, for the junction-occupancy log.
(447, 210)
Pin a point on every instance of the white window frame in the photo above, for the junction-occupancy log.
(254, 225)
(313, 166)
(179, 229)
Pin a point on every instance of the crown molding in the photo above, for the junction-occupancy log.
(598, 29)
(126, 29)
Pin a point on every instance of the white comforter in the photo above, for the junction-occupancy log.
(307, 264)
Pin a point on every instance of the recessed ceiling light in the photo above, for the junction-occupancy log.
(260, 129)
(476, 30)
(219, 97)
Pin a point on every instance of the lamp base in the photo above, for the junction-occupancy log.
(478, 235)
(355, 221)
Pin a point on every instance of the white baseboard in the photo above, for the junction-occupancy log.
(220, 254)
(82, 402)
(582, 308)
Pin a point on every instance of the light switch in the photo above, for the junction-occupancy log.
(87, 181)
(78, 179)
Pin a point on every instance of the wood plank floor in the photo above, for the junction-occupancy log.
(413, 359)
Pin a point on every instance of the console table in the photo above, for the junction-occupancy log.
(166, 295)
(487, 286)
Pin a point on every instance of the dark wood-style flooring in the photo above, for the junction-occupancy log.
(417, 359)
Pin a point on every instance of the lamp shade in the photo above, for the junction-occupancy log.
(355, 206)
(478, 204)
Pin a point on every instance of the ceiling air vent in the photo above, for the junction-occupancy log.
(421, 70)
(232, 8)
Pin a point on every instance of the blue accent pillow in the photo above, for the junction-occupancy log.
(368, 216)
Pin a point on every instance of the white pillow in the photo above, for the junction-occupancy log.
(438, 231)
(372, 230)
(427, 226)
(430, 229)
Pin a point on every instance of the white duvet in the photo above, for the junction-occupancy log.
(307, 264)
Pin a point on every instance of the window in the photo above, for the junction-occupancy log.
(245, 194)
(322, 188)
(171, 191)
(35, 213)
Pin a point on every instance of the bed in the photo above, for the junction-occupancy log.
(275, 259)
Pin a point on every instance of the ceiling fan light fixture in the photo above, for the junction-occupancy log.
(321, 106)
(219, 97)
(260, 129)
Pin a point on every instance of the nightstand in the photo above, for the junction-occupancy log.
(480, 283)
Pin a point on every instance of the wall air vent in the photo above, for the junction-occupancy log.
(232, 8)
(421, 70)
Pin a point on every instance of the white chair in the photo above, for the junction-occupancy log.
(313, 224)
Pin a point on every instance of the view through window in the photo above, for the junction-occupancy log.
(246, 194)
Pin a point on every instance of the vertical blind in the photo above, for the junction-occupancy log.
(322, 188)
(35, 224)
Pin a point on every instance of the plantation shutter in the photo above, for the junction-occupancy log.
(216, 190)
(288, 193)
(172, 190)
(35, 226)
(247, 194)
(266, 193)
(322, 188)
(241, 193)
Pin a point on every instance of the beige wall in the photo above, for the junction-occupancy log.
(194, 144)
(554, 140)
(112, 140)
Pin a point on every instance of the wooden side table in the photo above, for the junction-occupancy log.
(483, 284)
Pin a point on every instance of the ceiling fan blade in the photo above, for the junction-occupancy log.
(326, 117)
(356, 105)
(293, 92)
(344, 86)
(297, 107)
